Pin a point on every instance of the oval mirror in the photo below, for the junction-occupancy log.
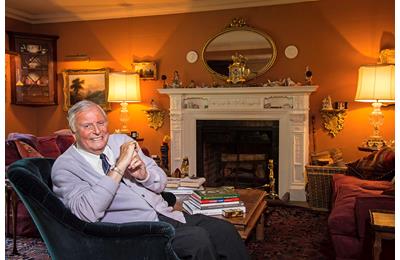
(239, 39)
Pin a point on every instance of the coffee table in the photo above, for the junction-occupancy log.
(255, 203)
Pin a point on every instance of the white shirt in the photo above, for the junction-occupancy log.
(94, 159)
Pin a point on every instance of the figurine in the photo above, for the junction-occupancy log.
(163, 77)
(176, 83)
(308, 75)
(327, 103)
(185, 167)
(191, 84)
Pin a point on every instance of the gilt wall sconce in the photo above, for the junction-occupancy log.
(333, 115)
(155, 116)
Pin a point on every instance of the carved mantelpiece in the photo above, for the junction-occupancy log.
(289, 105)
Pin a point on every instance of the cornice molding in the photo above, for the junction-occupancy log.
(149, 8)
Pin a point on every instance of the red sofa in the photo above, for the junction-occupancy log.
(352, 198)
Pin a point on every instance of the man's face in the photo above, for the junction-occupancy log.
(91, 130)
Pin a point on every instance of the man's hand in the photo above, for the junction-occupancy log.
(137, 168)
(127, 151)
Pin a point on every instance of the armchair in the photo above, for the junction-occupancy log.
(68, 237)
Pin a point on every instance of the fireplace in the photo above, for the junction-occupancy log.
(282, 110)
(236, 152)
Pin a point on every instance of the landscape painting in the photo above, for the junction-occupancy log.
(86, 84)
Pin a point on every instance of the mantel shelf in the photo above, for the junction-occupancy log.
(239, 90)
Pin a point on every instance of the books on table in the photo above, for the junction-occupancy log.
(192, 209)
(213, 201)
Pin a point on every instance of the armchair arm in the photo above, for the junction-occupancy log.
(148, 228)
(364, 204)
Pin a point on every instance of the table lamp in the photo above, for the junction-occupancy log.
(124, 87)
(376, 85)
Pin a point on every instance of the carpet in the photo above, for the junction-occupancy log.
(291, 232)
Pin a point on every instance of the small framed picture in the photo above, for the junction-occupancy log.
(146, 69)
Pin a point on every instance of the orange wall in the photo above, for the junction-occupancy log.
(333, 39)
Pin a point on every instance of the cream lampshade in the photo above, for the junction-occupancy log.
(376, 85)
(124, 87)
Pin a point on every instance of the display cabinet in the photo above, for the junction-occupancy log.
(34, 69)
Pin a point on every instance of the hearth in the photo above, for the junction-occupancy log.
(236, 152)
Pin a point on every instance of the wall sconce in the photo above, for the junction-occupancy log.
(333, 115)
(124, 87)
(376, 85)
(155, 116)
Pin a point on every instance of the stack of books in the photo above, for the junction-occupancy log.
(213, 201)
(184, 186)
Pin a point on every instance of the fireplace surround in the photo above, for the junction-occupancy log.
(288, 105)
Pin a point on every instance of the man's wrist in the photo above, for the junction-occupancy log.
(117, 170)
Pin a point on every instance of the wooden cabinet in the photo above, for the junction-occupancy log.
(34, 69)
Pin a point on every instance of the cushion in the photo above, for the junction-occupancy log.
(376, 166)
(64, 142)
(48, 147)
(26, 151)
(11, 152)
(389, 192)
(27, 138)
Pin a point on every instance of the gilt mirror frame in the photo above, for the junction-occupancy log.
(238, 24)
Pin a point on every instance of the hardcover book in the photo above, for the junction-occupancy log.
(191, 209)
(216, 193)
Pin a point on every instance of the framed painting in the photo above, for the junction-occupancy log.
(146, 69)
(90, 84)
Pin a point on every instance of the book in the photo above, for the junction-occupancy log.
(194, 182)
(216, 193)
(191, 209)
(215, 205)
(207, 201)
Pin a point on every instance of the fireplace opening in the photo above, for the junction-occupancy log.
(236, 152)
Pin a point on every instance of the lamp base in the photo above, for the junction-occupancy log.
(121, 131)
(374, 142)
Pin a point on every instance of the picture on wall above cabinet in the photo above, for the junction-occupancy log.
(90, 84)
(146, 69)
(33, 69)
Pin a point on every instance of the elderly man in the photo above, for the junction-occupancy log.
(107, 178)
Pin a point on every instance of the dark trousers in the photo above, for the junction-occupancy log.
(206, 238)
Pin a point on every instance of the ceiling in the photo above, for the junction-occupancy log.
(53, 11)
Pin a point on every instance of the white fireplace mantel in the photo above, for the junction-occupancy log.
(289, 105)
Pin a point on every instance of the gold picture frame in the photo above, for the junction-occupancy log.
(146, 69)
(90, 84)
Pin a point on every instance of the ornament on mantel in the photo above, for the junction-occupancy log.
(308, 76)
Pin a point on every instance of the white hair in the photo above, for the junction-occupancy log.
(79, 107)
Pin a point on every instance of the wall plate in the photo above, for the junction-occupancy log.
(291, 52)
(192, 56)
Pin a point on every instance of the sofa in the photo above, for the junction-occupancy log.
(20, 145)
(352, 198)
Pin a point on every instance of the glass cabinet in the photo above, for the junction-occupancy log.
(33, 71)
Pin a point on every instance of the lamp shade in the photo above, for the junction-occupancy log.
(375, 83)
(124, 87)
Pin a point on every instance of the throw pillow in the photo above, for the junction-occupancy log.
(376, 166)
(11, 152)
(25, 150)
(389, 192)
(48, 147)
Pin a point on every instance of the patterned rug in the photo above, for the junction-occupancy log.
(290, 233)
(293, 232)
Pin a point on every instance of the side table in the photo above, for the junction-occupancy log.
(382, 223)
(12, 201)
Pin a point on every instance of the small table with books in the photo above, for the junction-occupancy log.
(382, 223)
(250, 201)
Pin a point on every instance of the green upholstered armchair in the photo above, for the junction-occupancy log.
(68, 237)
